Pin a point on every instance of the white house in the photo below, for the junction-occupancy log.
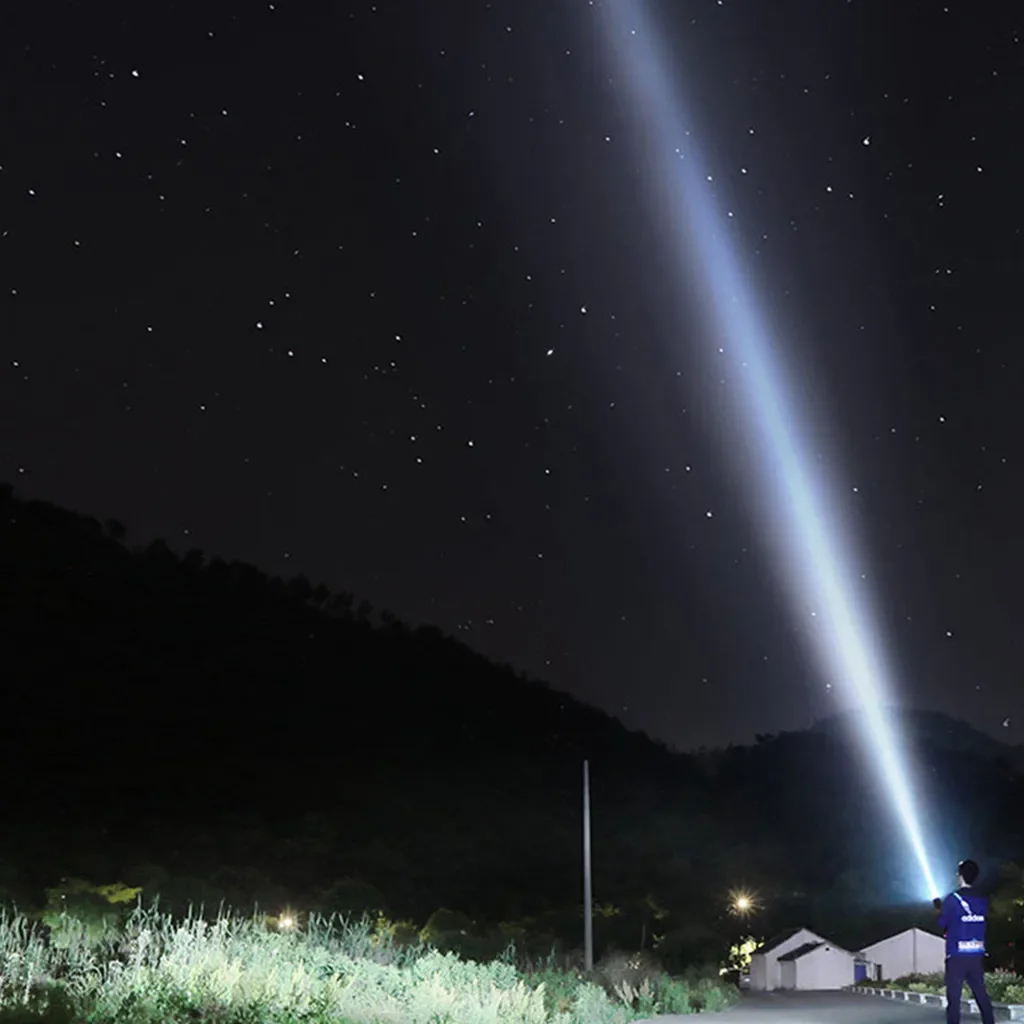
(765, 970)
(816, 967)
(910, 952)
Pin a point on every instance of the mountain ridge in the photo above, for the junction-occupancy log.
(198, 712)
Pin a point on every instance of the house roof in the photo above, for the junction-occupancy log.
(810, 947)
(800, 951)
(896, 935)
(782, 937)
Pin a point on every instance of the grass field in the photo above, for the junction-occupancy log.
(151, 969)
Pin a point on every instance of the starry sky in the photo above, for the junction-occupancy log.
(373, 292)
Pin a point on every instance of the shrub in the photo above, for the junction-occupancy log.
(675, 996)
(666, 995)
(1013, 994)
(561, 988)
(593, 1006)
(1003, 986)
(642, 999)
(446, 922)
(711, 997)
(1000, 984)
(616, 969)
(933, 983)
(232, 970)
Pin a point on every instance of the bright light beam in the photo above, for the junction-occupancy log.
(811, 553)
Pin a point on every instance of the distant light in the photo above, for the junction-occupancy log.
(743, 903)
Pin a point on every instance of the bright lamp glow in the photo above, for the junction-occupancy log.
(743, 903)
(812, 553)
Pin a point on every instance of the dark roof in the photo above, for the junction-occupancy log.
(779, 940)
(795, 954)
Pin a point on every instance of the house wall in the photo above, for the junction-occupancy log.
(758, 973)
(910, 952)
(787, 975)
(825, 969)
(765, 970)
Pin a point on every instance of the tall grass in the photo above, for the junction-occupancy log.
(233, 970)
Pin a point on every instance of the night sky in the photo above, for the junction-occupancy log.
(374, 293)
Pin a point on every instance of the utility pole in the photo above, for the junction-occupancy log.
(588, 915)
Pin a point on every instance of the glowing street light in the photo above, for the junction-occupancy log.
(743, 903)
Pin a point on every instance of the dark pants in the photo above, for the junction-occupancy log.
(972, 970)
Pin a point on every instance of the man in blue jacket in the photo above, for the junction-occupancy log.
(962, 916)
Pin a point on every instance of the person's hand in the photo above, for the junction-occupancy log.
(937, 903)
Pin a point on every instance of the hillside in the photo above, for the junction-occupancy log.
(199, 727)
(939, 731)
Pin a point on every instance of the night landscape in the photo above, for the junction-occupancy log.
(405, 405)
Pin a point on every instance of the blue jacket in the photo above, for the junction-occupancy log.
(962, 918)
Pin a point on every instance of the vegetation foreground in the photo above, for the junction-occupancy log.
(152, 969)
(1003, 986)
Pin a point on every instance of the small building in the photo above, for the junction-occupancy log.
(913, 951)
(765, 970)
(816, 967)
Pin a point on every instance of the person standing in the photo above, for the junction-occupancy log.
(962, 916)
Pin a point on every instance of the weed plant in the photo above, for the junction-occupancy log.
(152, 969)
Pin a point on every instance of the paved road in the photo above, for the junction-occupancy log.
(819, 1008)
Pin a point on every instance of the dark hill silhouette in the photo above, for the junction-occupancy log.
(268, 736)
(143, 687)
(935, 729)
